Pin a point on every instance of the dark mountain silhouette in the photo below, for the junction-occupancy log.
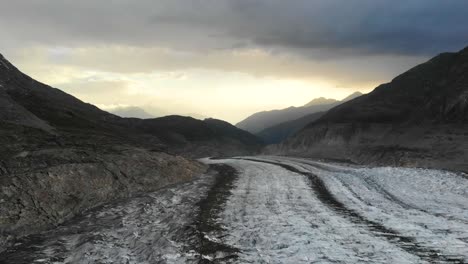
(266, 119)
(420, 118)
(277, 133)
(61, 156)
(198, 138)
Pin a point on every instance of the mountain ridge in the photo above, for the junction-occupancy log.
(259, 121)
(131, 112)
(279, 132)
(320, 101)
(418, 119)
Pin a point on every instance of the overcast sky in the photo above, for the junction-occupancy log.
(224, 58)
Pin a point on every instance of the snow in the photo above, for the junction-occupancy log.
(301, 212)
(430, 206)
(274, 217)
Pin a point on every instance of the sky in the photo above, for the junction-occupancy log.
(224, 58)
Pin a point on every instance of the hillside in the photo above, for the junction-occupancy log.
(198, 138)
(420, 118)
(61, 156)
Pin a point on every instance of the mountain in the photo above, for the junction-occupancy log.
(351, 97)
(279, 132)
(321, 101)
(263, 120)
(198, 138)
(195, 115)
(131, 111)
(420, 118)
(61, 156)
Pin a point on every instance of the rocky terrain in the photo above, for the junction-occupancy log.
(61, 156)
(258, 122)
(420, 118)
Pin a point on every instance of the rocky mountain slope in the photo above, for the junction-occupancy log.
(61, 156)
(420, 118)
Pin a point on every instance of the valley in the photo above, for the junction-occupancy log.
(142, 132)
(318, 211)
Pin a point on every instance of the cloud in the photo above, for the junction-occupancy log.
(171, 64)
(298, 38)
(217, 57)
(421, 27)
(91, 88)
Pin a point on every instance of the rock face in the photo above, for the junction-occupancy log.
(60, 156)
(420, 118)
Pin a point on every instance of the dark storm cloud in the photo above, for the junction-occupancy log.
(417, 27)
(373, 26)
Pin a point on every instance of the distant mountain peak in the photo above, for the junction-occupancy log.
(131, 111)
(321, 101)
(352, 96)
(257, 122)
